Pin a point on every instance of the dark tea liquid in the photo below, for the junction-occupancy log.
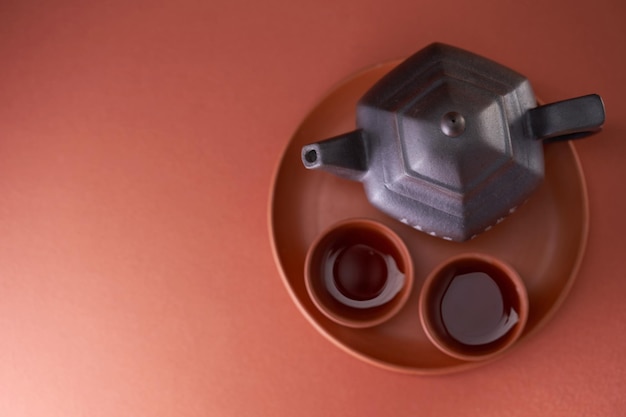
(479, 306)
(360, 272)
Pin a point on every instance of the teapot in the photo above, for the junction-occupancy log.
(450, 142)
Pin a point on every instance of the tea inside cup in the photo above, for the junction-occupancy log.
(473, 306)
(358, 273)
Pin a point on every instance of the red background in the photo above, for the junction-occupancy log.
(137, 146)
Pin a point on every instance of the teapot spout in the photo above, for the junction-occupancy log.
(344, 155)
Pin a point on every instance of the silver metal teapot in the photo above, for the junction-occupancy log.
(450, 142)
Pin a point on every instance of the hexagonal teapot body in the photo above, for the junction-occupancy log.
(453, 186)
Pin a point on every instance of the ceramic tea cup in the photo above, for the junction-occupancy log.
(473, 306)
(358, 273)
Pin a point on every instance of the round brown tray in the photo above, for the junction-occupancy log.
(544, 240)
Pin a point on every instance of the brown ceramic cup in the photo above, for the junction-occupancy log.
(473, 306)
(358, 273)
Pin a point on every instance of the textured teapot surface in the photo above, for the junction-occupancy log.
(446, 143)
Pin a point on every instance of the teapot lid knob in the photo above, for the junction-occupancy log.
(453, 124)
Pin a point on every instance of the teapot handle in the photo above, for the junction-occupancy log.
(568, 119)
